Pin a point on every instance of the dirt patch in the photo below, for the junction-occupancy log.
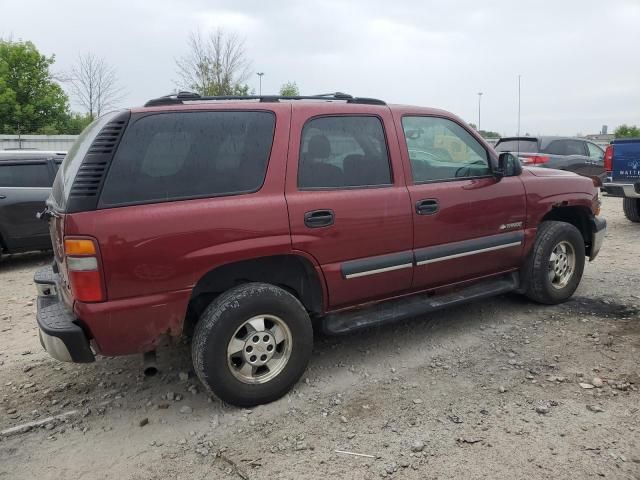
(603, 307)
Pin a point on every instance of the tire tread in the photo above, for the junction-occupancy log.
(536, 288)
(210, 321)
(631, 208)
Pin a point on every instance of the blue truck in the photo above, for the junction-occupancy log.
(622, 163)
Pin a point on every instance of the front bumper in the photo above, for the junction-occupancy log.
(625, 190)
(60, 335)
(598, 232)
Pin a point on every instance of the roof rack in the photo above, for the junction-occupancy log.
(182, 97)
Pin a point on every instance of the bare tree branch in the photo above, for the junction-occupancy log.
(216, 64)
(94, 84)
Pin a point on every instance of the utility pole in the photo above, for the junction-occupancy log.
(260, 74)
(479, 101)
(519, 105)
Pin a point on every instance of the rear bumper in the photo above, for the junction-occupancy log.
(60, 335)
(598, 232)
(625, 190)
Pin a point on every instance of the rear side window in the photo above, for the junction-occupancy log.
(34, 175)
(343, 152)
(179, 155)
(521, 145)
(565, 147)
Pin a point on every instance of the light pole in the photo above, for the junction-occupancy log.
(260, 74)
(519, 105)
(479, 101)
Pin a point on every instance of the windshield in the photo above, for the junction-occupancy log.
(525, 145)
(71, 163)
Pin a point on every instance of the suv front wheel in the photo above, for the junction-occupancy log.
(252, 344)
(556, 263)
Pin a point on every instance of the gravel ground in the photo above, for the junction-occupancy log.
(494, 389)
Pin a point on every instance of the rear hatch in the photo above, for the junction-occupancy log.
(78, 182)
(527, 149)
(626, 160)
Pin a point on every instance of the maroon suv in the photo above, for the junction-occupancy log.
(250, 219)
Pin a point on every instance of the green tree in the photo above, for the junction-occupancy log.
(489, 134)
(289, 89)
(76, 123)
(485, 133)
(627, 131)
(30, 100)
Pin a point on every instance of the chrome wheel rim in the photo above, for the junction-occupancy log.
(562, 264)
(259, 349)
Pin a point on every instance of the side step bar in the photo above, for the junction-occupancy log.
(408, 307)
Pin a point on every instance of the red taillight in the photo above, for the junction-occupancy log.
(86, 286)
(83, 267)
(608, 158)
(534, 159)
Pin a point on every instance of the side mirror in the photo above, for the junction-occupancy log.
(508, 165)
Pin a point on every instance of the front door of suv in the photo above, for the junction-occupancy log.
(24, 187)
(348, 207)
(467, 223)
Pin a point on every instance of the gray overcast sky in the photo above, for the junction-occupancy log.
(578, 58)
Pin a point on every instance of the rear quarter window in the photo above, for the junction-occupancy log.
(181, 155)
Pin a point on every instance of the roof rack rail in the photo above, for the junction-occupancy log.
(182, 97)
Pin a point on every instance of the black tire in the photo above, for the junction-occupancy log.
(220, 321)
(539, 286)
(631, 207)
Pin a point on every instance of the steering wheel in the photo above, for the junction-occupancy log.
(468, 167)
(422, 152)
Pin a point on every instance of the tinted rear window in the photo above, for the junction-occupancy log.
(522, 145)
(26, 175)
(565, 147)
(178, 155)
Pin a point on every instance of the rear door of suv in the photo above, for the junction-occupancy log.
(568, 154)
(467, 222)
(348, 206)
(24, 187)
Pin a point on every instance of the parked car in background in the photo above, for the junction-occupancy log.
(26, 177)
(250, 219)
(622, 163)
(563, 153)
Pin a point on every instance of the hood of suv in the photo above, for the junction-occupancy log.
(550, 172)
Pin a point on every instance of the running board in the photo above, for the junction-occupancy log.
(409, 307)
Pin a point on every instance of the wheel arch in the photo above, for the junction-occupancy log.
(295, 273)
(577, 215)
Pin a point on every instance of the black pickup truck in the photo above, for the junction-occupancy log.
(25, 183)
(622, 163)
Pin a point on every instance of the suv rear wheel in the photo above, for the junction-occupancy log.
(556, 263)
(631, 207)
(252, 344)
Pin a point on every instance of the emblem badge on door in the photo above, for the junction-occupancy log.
(509, 226)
